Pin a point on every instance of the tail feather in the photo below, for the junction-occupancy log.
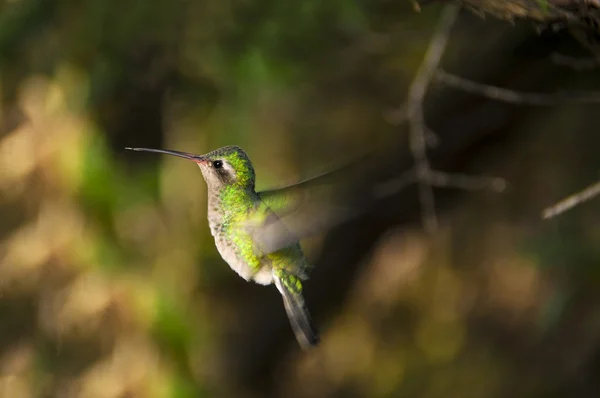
(300, 320)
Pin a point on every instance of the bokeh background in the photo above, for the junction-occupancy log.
(110, 285)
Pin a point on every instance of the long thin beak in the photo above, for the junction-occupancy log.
(185, 155)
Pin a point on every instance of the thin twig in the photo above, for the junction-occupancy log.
(416, 119)
(516, 97)
(422, 137)
(572, 201)
(467, 182)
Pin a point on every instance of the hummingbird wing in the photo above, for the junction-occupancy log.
(262, 224)
(313, 205)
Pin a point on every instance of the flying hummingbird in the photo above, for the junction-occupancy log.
(243, 223)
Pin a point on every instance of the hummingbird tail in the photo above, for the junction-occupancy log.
(300, 320)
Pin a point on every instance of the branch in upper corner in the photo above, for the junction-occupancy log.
(580, 17)
(534, 10)
(572, 201)
(516, 97)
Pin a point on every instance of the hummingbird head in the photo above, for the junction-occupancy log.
(226, 166)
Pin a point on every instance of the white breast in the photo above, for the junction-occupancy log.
(235, 262)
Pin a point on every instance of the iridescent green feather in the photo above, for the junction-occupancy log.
(244, 170)
(291, 282)
(235, 204)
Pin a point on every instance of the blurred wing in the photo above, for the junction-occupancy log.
(265, 223)
(312, 206)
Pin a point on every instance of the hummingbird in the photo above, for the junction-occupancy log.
(243, 222)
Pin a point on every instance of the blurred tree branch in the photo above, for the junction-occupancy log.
(572, 201)
(412, 113)
(516, 97)
(523, 98)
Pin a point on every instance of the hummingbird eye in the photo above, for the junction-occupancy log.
(217, 164)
